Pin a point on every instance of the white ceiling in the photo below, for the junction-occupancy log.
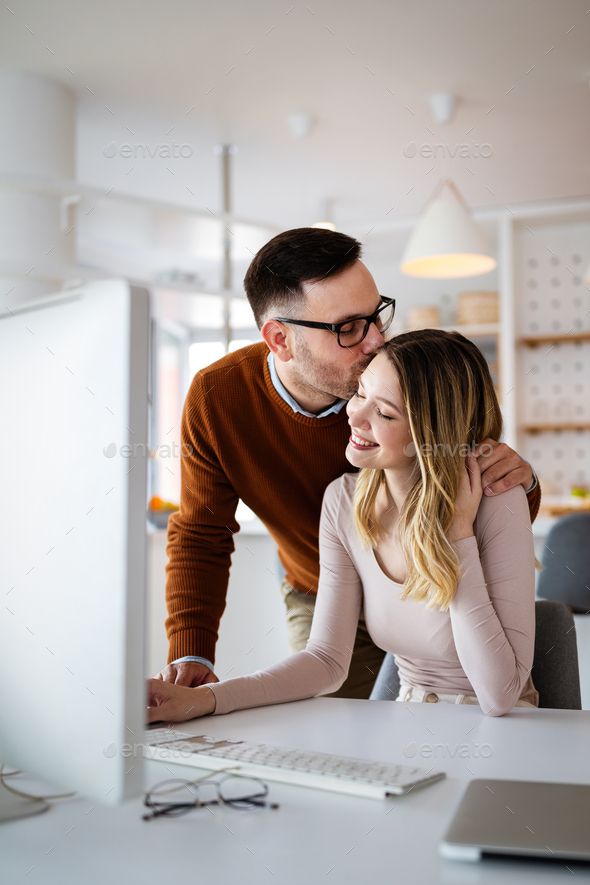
(231, 71)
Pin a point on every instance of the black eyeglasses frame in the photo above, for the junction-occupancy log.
(336, 328)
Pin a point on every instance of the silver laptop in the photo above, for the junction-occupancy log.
(524, 818)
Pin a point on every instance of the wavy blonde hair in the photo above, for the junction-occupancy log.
(451, 405)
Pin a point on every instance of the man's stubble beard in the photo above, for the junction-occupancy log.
(325, 378)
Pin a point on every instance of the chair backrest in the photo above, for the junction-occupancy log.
(566, 563)
(387, 684)
(555, 671)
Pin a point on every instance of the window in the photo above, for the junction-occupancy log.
(203, 353)
(189, 334)
(169, 374)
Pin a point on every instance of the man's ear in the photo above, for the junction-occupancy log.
(278, 339)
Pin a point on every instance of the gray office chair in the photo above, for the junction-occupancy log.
(566, 561)
(555, 670)
(387, 684)
(563, 582)
(555, 673)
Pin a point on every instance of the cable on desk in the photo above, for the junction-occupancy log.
(6, 774)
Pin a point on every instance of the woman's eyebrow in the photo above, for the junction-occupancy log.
(390, 404)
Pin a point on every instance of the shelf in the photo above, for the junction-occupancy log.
(563, 510)
(567, 425)
(560, 506)
(479, 330)
(475, 330)
(69, 187)
(536, 340)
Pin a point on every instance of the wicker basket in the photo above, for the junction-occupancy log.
(423, 317)
(477, 307)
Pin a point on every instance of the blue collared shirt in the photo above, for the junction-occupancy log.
(284, 394)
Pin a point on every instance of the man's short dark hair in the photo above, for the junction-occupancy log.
(305, 254)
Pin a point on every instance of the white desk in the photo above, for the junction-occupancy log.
(315, 837)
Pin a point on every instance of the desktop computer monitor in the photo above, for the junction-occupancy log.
(73, 453)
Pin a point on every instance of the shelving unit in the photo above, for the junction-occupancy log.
(551, 310)
(554, 427)
(555, 506)
(538, 340)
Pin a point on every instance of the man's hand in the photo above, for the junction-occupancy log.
(501, 467)
(189, 673)
(177, 703)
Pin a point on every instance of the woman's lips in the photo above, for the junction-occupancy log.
(359, 442)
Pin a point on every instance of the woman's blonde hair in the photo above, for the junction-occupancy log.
(451, 405)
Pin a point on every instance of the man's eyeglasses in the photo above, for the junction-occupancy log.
(178, 796)
(353, 331)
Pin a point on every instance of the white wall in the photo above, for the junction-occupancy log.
(253, 632)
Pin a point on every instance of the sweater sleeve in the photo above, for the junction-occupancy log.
(534, 500)
(493, 611)
(200, 537)
(323, 666)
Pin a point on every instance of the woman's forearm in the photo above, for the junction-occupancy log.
(302, 675)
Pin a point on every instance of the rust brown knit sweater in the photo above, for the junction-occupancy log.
(240, 439)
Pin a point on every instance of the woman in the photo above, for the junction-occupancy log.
(445, 575)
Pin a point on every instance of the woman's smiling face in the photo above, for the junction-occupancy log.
(380, 436)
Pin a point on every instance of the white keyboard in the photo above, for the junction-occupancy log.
(344, 774)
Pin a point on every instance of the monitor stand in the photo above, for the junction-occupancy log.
(12, 806)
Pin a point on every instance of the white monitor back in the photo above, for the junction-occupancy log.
(73, 455)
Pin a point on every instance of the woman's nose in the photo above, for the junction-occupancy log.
(358, 414)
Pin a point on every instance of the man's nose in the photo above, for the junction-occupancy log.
(373, 340)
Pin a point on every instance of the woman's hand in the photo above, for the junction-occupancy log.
(168, 702)
(468, 500)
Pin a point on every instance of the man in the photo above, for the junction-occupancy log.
(267, 424)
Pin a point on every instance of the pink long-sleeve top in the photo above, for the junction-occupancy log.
(483, 644)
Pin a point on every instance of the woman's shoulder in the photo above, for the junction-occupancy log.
(342, 487)
(338, 496)
(500, 512)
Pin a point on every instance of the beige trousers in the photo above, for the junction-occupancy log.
(428, 696)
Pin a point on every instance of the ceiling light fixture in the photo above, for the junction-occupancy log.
(446, 241)
(327, 214)
(442, 106)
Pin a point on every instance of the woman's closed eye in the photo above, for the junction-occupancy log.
(381, 415)
(359, 395)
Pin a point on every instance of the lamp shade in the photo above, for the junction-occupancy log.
(325, 225)
(446, 242)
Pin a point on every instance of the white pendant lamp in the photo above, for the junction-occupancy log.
(327, 214)
(446, 242)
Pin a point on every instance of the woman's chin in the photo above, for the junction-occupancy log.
(358, 458)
